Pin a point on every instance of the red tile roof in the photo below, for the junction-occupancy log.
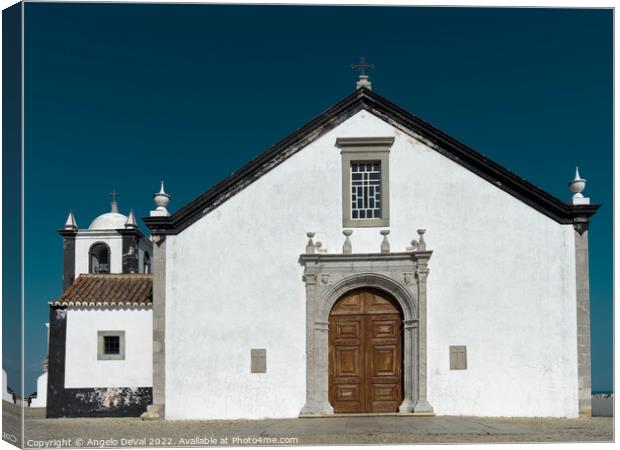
(108, 289)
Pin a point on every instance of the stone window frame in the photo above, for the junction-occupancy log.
(101, 355)
(362, 149)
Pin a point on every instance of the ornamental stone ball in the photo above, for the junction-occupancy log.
(310, 245)
(347, 248)
(385, 244)
(161, 198)
(421, 241)
(577, 185)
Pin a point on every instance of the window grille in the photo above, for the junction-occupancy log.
(366, 190)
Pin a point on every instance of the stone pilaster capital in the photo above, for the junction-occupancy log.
(422, 273)
(309, 278)
(158, 239)
(321, 326)
(410, 324)
(581, 224)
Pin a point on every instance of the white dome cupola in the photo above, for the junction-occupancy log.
(108, 221)
(112, 220)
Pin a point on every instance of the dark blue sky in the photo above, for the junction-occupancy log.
(121, 96)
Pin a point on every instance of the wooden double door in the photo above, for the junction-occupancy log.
(365, 353)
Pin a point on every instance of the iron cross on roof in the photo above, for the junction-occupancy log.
(362, 65)
(114, 205)
(114, 194)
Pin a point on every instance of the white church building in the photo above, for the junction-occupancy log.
(366, 263)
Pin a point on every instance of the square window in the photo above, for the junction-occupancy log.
(110, 345)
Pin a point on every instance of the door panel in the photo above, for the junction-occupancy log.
(346, 368)
(384, 362)
(351, 304)
(365, 354)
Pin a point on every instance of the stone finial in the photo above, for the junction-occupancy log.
(162, 200)
(414, 246)
(421, 242)
(577, 186)
(310, 245)
(385, 244)
(347, 248)
(363, 82)
(131, 220)
(70, 223)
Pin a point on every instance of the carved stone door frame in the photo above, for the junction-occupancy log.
(327, 278)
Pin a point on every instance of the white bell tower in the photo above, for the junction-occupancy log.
(112, 243)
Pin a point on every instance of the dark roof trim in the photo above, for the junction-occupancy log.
(362, 98)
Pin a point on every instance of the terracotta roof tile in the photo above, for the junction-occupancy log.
(108, 289)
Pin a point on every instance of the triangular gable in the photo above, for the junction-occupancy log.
(363, 98)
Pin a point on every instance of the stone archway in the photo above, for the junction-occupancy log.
(328, 277)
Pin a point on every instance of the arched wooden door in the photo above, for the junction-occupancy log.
(365, 353)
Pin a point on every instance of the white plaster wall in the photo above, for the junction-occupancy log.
(83, 370)
(41, 400)
(85, 239)
(501, 282)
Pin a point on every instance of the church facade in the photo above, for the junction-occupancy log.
(367, 263)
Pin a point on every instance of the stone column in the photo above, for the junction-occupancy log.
(157, 409)
(317, 400)
(409, 329)
(309, 407)
(321, 364)
(582, 276)
(422, 405)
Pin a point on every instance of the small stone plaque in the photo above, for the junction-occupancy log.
(458, 357)
(259, 360)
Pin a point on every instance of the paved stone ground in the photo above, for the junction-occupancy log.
(109, 432)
